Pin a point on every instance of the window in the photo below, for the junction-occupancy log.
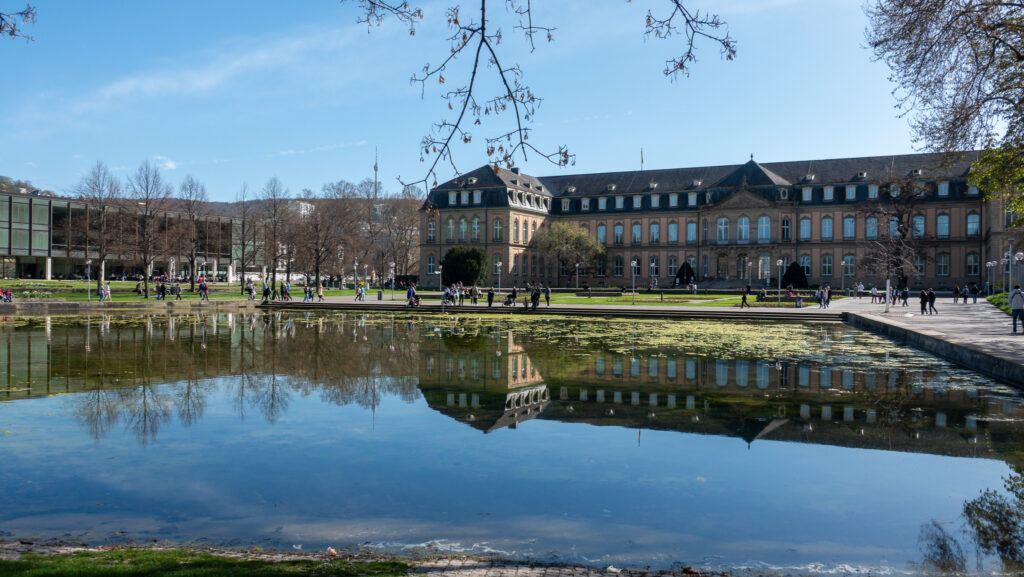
(851, 192)
(743, 229)
(654, 267)
(453, 198)
(617, 234)
(849, 228)
(636, 232)
(943, 189)
(826, 265)
(942, 264)
(515, 230)
(691, 199)
(973, 264)
(618, 266)
(873, 191)
(431, 231)
(602, 203)
(894, 191)
(565, 205)
(894, 226)
(451, 230)
(431, 265)
(849, 265)
(476, 230)
(826, 228)
(973, 225)
(827, 194)
(972, 190)
(635, 266)
(477, 197)
(654, 233)
(805, 263)
(942, 226)
(533, 229)
(585, 204)
(533, 265)
(602, 233)
(462, 230)
(919, 265)
(465, 197)
(871, 228)
(764, 229)
(497, 230)
(723, 230)
(655, 201)
(673, 233)
(496, 264)
(785, 229)
(673, 266)
(638, 202)
(673, 200)
(619, 202)
(805, 229)
(918, 226)
(704, 267)
(526, 232)
(705, 231)
(691, 232)
(807, 194)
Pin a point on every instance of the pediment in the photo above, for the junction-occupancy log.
(744, 199)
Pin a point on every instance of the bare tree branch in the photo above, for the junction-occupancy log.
(12, 22)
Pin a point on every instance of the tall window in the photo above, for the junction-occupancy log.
(785, 229)
(723, 230)
(635, 263)
(691, 232)
(805, 229)
(477, 197)
(673, 266)
(673, 232)
(849, 227)
(636, 231)
(497, 230)
(942, 264)
(826, 265)
(585, 204)
(743, 229)
(873, 191)
(691, 199)
(602, 233)
(942, 226)
(973, 225)
(431, 265)
(806, 194)
(871, 228)
(453, 198)
(451, 230)
(805, 263)
(827, 194)
(654, 267)
(918, 226)
(673, 200)
(973, 264)
(943, 189)
(619, 202)
(462, 230)
(655, 201)
(764, 229)
(894, 226)
(476, 230)
(431, 231)
(826, 228)
(496, 264)
(849, 265)
(617, 270)
(705, 231)
(919, 263)
(851, 192)
(617, 232)
(515, 230)
(654, 234)
(602, 203)
(526, 232)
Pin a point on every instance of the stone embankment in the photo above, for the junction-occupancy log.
(56, 307)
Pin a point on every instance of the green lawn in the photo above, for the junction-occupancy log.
(182, 563)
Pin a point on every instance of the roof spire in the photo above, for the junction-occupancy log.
(751, 156)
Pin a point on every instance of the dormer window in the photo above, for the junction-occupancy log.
(652, 185)
(697, 182)
(862, 174)
(828, 193)
(943, 189)
(471, 180)
(873, 191)
(851, 192)
(619, 202)
(638, 202)
(453, 198)
(894, 191)
(807, 194)
(916, 172)
(565, 205)
(585, 204)
(477, 196)
(538, 187)
(655, 200)
(809, 177)
(514, 181)
(611, 188)
(783, 194)
(571, 189)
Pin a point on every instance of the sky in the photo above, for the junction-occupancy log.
(235, 92)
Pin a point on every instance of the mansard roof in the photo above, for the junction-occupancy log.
(751, 174)
(491, 176)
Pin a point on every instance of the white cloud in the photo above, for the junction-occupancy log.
(165, 163)
(324, 148)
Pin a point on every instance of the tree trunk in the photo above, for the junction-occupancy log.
(192, 272)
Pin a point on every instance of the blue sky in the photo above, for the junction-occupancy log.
(235, 92)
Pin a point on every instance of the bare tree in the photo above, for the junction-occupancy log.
(193, 204)
(247, 229)
(275, 199)
(11, 22)
(402, 222)
(147, 202)
(897, 246)
(318, 233)
(102, 193)
(478, 36)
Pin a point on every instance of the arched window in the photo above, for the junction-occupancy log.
(637, 232)
(786, 229)
(673, 266)
(743, 229)
(533, 265)
(515, 230)
(918, 226)
(826, 228)
(973, 225)
(871, 228)
(476, 230)
(602, 234)
(431, 231)
(617, 233)
(805, 229)
(894, 226)
(654, 233)
(849, 265)
(849, 228)
(942, 226)
(764, 229)
(826, 265)
(723, 230)
(805, 263)
(431, 265)
(451, 230)
(462, 230)
(635, 265)
(497, 230)
(617, 270)
(533, 229)
(526, 232)
(691, 232)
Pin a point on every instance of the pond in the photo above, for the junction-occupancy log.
(789, 447)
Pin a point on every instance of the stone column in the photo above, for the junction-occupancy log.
(214, 263)
(231, 273)
(49, 268)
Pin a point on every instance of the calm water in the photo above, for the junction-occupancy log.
(813, 447)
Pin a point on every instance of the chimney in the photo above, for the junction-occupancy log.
(515, 169)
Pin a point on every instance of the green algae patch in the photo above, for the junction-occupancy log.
(184, 563)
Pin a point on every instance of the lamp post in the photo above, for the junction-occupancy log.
(652, 273)
(391, 267)
(499, 277)
(355, 274)
(749, 263)
(1019, 257)
(577, 276)
(1006, 270)
(632, 272)
(88, 280)
(439, 267)
(778, 263)
(988, 277)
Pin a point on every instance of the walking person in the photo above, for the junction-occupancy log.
(547, 295)
(743, 301)
(490, 297)
(956, 294)
(931, 303)
(974, 293)
(924, 301)
(1017, 308)
(319, 292)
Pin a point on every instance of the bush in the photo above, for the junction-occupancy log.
(795, 276)
(463, 264)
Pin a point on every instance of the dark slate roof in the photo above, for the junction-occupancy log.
(489, 176)
(826, 171)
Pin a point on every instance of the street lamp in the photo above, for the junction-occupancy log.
(633, 264)
(577, 276)
(988, 278)
(355, 274)
(1019, 257)
(391, 266)
(439, 267)
(1006, 270)
(652, 272)
(499, 276)
(88, 280)
(778, 263)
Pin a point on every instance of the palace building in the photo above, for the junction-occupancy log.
(731, 224)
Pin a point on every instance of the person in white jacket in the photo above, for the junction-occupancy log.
(1017, 308)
